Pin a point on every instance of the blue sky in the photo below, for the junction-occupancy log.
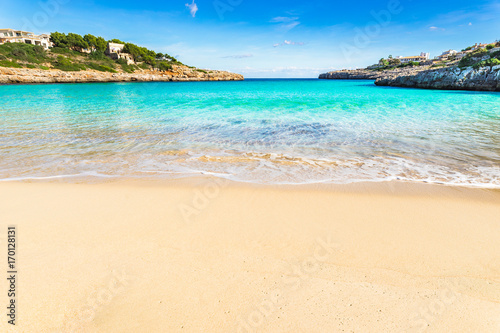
(270, 38)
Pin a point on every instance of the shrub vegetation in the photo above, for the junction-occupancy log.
(65, 64)
(73, 52)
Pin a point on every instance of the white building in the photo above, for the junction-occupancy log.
(19, 36)
(422, 57)
(115, 51)
(447, 54)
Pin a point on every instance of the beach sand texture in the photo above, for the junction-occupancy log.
(206, 255)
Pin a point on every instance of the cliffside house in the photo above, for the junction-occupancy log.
(115, 51)
(422, 57)
(18, 36)
(447, 54)
(478, 46)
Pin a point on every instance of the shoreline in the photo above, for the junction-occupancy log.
(186, 178)
(203, 254)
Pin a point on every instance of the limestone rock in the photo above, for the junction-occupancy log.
(425, 77)
(178, 73)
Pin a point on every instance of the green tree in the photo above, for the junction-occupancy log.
(101, 44)
(91, 40)
(160, 56)
(394, 62)
(164, 66)
(76, 42)
(59, 39)
(116, 41)
(149, 60)
(133, 50)
(383, 62)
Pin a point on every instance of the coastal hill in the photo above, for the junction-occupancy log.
(474, 68)
(75, 58)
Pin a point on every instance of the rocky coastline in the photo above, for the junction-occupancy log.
(177, 74)
(425, 77)
(453, 78)
(366, 74)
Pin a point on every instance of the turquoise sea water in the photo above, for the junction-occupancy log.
(266, 131)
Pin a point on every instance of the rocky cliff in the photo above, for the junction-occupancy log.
(449, 78)
(358, 74)
(453, 78)
(178, 73)
(365, 74)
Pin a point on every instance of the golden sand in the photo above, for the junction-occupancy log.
(205, 255)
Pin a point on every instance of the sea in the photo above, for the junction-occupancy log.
(268, 131)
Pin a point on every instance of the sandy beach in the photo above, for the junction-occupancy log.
(206, 255)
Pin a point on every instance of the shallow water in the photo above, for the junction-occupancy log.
(266, 131)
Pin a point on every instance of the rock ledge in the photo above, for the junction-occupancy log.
(178, 73)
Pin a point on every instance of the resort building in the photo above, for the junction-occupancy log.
(447, 54)
(422, 57)
(115, 51)
(18, 36)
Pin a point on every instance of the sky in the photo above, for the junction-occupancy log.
(272, 38)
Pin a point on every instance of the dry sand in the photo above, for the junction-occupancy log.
(202, 255)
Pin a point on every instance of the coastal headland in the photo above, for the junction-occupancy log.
(474, 68)
(72, 58)
(425, 77)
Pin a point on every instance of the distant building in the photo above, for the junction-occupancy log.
(478, 46)
(447, 54)
(115, 51)
(19, 36)
(422, 57)
(114, 48)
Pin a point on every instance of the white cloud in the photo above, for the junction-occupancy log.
(436, 29)
(288, 42)
(193, 8)
(285, 23)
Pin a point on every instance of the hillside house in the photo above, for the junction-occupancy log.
(115, 51)
(422, 57)
(447, 55)
(19, 36)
